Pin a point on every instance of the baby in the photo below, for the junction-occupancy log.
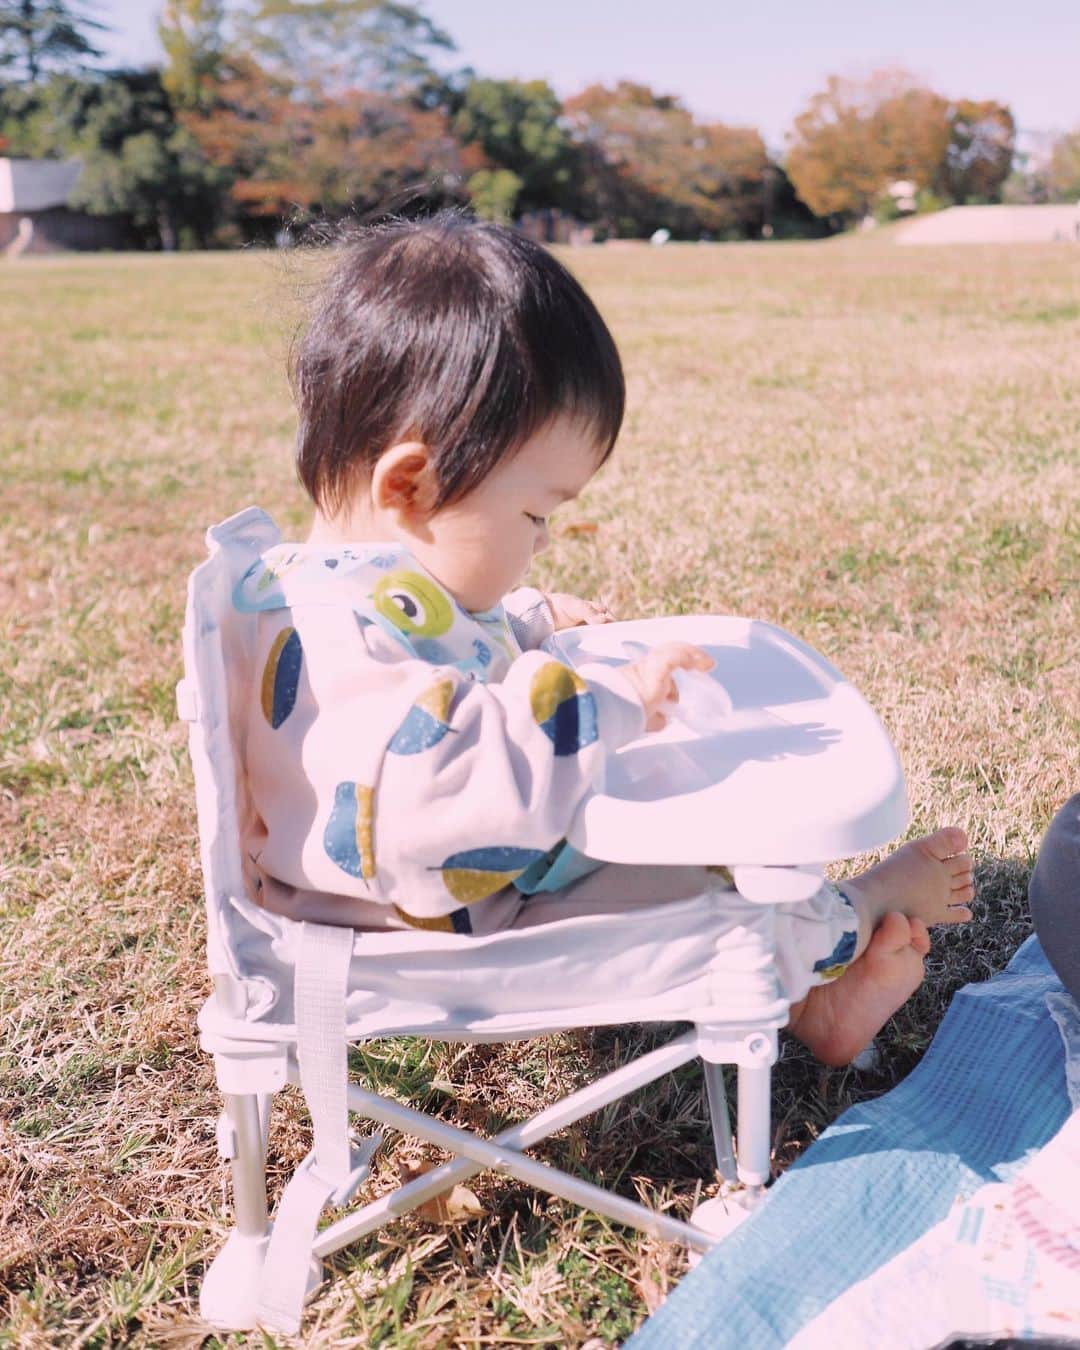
(415, 757)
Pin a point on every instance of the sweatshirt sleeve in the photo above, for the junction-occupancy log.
(480, 781)
(530, 617)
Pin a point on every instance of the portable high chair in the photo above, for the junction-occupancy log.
(289, 997)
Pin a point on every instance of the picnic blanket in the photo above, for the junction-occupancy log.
(900, 1227)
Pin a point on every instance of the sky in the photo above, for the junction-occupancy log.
(752, 63)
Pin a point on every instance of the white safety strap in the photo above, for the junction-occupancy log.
(332, 1170)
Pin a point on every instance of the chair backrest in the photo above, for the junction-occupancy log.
(211, 697)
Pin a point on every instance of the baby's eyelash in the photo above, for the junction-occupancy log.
(536, 520)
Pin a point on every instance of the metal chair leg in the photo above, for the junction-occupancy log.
(229, 1293)
(754, 1117)
(721, 1121)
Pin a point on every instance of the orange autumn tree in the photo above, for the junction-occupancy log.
(294, 152)
(857, 136)
(319, 107)
(644, 163)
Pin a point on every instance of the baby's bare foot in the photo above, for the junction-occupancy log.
(835, 1021)
(929, 879)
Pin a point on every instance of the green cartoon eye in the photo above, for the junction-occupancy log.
(414, 604)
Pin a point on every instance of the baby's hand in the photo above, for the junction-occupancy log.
(653, 681)
(569, 611)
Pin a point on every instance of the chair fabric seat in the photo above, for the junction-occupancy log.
(678, 961)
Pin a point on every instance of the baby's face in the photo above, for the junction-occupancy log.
(481, 546)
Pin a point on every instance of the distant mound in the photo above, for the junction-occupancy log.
(993, 225)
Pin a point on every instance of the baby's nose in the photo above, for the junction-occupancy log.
(543, 539)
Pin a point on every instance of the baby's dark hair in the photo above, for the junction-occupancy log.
(464, 335)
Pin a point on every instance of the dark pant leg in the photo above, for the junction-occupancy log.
(1054, 895)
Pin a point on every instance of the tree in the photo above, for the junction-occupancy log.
(191, 36)
(288, 156)
(37, 36)
(137, 163)
(494, 193)
(1063, 171)
(384, 46)
(857, 136)
(979, 154)
(732, 173)
(645, 163)
(518, 126)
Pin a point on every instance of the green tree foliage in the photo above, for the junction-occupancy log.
(383, 46)
(1063, 170)
(518, 127)
(644, 163)
(494, 193)
(191, 36)
(37, 36)
(137, 163)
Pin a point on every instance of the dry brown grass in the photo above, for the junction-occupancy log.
(877, 449)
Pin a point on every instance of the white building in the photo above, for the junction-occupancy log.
(34, 212)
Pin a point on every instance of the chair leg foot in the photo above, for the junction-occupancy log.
(230, 1287)
(724, 1213)
(229, 1297)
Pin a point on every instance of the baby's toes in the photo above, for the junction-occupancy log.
(947, 845)
(920, 937)
(960, 905)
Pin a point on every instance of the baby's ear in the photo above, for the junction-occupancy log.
(404, 479)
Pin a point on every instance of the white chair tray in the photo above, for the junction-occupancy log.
(800, 771)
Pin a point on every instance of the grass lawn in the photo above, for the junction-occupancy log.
(875, 447)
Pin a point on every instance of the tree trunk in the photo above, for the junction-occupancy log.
(166, 230)
(30, 38)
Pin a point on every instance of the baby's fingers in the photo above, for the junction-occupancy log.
(595, 612)
(685, 656)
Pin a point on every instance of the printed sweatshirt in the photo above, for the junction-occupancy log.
(410, 762)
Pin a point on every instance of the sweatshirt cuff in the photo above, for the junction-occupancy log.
(619, 710)
(530, 617)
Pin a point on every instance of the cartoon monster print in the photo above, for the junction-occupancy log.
(413, 603)
(257, 589)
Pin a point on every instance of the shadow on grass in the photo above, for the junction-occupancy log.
(662, 1132)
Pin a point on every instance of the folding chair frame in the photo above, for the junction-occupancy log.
(231, 1290)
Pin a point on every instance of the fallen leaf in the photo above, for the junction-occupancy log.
(458, 1205)
(651, 1283)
